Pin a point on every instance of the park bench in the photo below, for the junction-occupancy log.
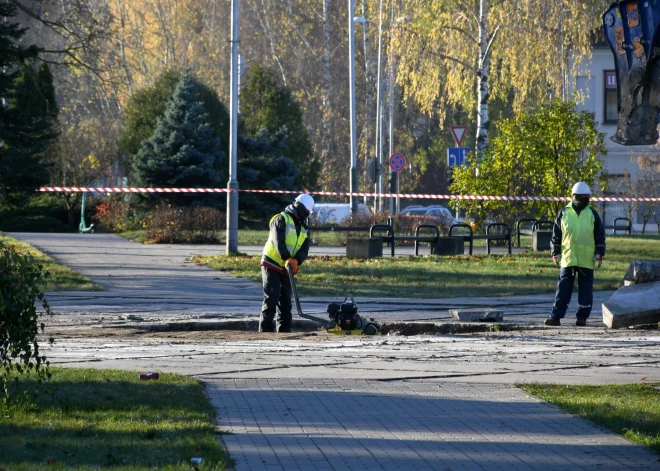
(491, 235)
(391, 238)
(617, 227)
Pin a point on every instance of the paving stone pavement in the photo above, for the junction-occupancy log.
(334, 424)
(442, 402)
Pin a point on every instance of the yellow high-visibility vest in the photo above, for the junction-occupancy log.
(577, 238)
(292, 239)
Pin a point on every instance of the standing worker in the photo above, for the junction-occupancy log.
(578, 236)
(287, 245)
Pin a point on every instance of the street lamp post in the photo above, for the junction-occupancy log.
(232, 186)
(379, 122)
(351, 78)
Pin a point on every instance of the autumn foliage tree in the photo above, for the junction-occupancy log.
(539, 153)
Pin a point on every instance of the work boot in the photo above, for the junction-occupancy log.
(552, 321)
(581, 322)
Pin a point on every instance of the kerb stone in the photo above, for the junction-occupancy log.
(479, 314)
(633, 305)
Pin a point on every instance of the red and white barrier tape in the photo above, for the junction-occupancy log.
(335, 193)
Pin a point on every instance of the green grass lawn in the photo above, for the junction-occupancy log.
(439, 277)
(61, 278)
(106, 418)
(633, 410)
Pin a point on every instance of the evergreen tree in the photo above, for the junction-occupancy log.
(267, 104)
(147, 105)
(20, 153)
(183, 149)
(263, 166)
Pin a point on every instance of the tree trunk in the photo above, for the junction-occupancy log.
(482, 80)
(326, 136)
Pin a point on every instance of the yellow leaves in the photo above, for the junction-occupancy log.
(89, 162)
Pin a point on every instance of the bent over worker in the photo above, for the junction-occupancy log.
(578, 237)
(287, 245)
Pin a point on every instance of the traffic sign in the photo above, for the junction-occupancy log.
(374, 169)
(459, 133)
(397, 162)
(456, 156)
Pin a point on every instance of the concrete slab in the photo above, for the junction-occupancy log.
(633, 305)
(642, 271)
(477, 315)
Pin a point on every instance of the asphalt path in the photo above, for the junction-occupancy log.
(159, 282)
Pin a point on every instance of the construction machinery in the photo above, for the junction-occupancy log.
(343, 318)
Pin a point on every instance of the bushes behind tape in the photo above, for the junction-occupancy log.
(167, 224)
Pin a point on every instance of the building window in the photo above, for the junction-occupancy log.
(610, 99)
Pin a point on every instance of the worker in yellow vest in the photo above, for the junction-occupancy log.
(288, 245)
(578, 244)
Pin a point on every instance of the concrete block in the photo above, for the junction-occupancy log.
(477, 315)
(633, 305)
(449, 246)
(541, 240)
(364, 248)
(642, 271)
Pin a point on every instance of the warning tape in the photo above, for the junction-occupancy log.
(66, 189)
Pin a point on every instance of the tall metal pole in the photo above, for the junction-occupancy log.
(379, 123)
(393, 175)
(232, 186)
(351, 78)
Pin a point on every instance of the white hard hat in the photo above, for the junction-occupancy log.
(307, 201)
(581, 188)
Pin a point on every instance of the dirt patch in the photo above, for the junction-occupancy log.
(193, 336)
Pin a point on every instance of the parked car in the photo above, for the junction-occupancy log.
(437, 213)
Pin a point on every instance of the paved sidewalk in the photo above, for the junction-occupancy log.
(157, 283)
(334, 424)
(431, 402)
(435, 402)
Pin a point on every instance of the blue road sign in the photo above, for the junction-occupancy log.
(456, 156)
(397, 162)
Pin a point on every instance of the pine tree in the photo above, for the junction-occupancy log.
(267, 104)
(147, 105)
(183, 149)
(21, 146)
(263, 166)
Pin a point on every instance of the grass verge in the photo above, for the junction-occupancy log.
(248, 237)
(632, 410)
(439, 277)
(61, 278)
(107, 418)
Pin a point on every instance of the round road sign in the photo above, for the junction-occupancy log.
(397, 162)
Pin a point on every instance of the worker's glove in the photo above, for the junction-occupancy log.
(555, 259)
(598, 258)
(294, 265)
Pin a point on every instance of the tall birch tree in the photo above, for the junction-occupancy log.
(466, 52)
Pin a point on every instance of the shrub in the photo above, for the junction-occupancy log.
(113, 214)
(34, 224)
(20, 278)
(170, 225)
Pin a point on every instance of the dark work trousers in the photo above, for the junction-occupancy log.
(585, 278)
(277, 298)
